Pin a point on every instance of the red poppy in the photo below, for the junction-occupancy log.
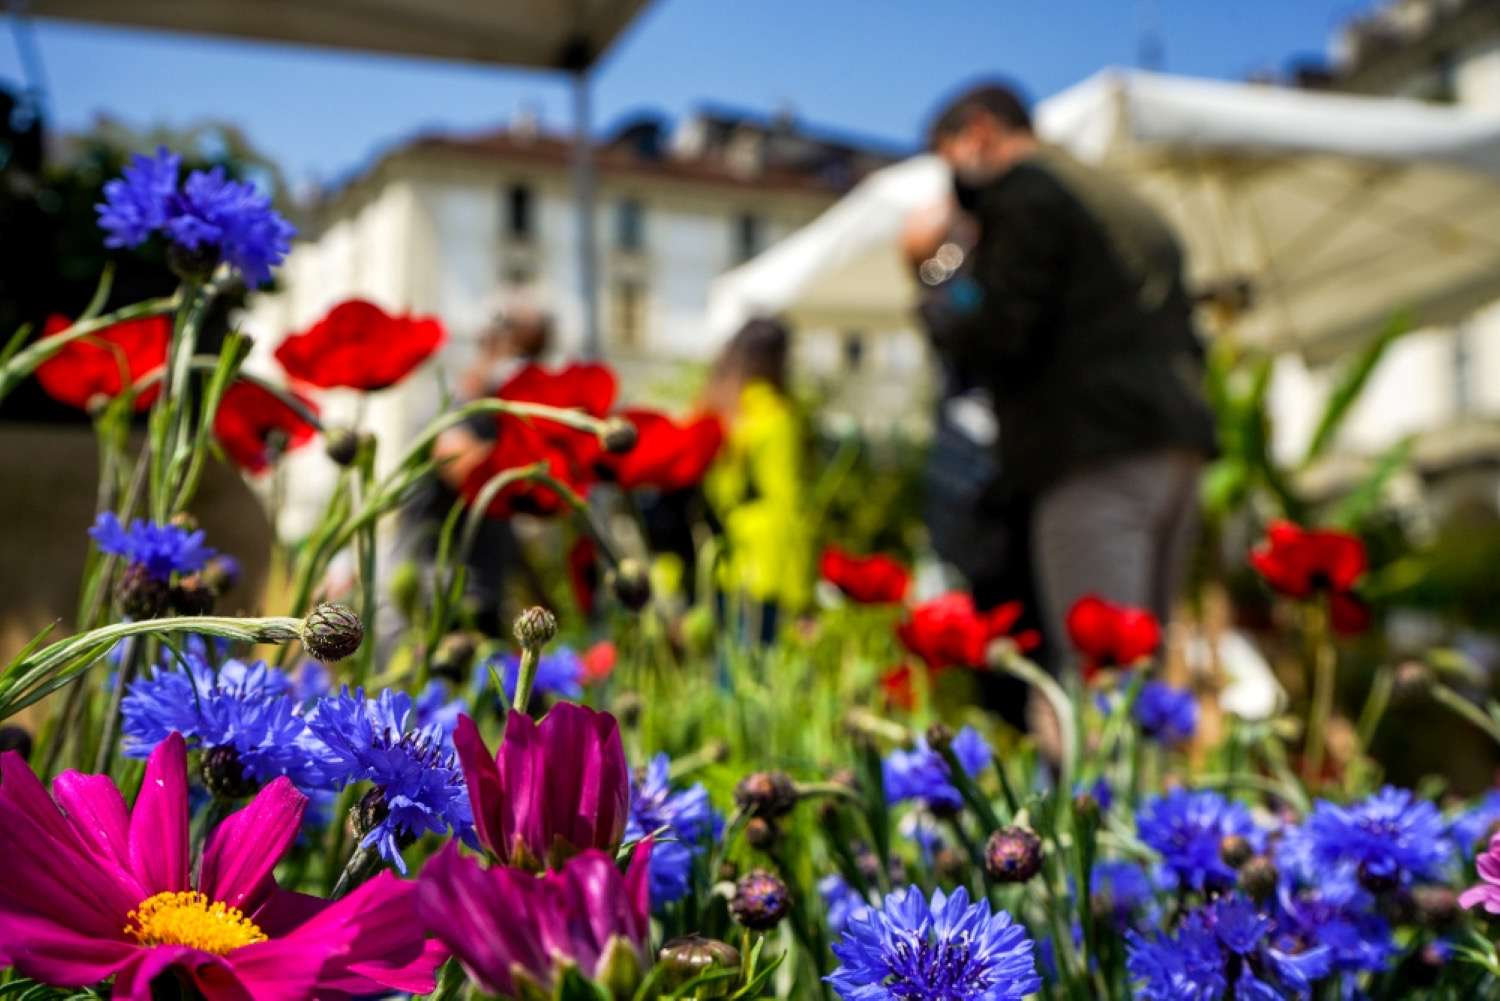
(949, 631)
(583, 573)
(358, 345)
(1110, 635)
(598, 662)
(248, 420)
(570, 454)
(870, 580)
(1348, 615)
(897, 687)
(91, 366)
(667, 455)
(1299, 563)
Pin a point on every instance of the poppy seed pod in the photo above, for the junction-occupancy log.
(332, 632)
(1013, 855)
(341, 445)
(760, 900)
(535, 628)
(141, 595)
(768, 795)
(223, 773)
(618, 436)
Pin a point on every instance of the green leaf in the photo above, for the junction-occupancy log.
(691, 987)
(101, 293)
(757, 983)
(1351, 382)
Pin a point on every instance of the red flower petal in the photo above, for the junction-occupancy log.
(359, 346)
(248, 416)
(92, 366)
(667, 455)
(870, 580)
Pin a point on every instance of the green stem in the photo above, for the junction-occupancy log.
(25, 362)
(1468, 710)
(525, 677)
(1325, 662)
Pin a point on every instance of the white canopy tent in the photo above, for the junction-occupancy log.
(1337, 210)
(566, 35)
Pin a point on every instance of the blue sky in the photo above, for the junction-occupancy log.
(872, 67)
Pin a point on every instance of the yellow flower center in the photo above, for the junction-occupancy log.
(191, 919)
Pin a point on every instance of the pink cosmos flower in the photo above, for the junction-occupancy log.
(1487, 893)
(506, 925)
(554, 789)
(92, 890)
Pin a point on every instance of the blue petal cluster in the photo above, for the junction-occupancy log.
(1185, 828)
(208, 211)
(1123, 888)
(434, 708)
(922, 774)
(1469, 831)
(945, 950)
(376, 740)
(1222, 950)
(162, 549)
(247, 707)
(1167, 714)
(1391, 835)
(841, 902)
(687, 816)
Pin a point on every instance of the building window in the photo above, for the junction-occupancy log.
(628, 312)
(630, 225)
(748, 236)
(1463, 372)
(854, 350)
(520, 223)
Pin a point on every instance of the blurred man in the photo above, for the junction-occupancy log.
(1076, 318)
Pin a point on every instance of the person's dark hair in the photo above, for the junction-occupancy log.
(1000, 101)
(757, 352)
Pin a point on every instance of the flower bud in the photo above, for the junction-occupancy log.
(15, 738)
(221, 574)
(761, 833)
(1413, 680)
(692, 956)
(1437, 906)
(939, 737)
(1086, 806)
(1258, 878)
(332, 632)
(950, 864)
(760, 900)
(632, 584)
(619, 969)
(618, 435)
(193, 265)
(341, 445)
(454, 657)
(192, 596)
(142, 596)
(223, 773)
(1235, 850)
(184, 520)
(728, 871)
(535, 628)
(766, 794)
(1013, 855)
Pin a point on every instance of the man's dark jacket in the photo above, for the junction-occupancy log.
(1083, 328)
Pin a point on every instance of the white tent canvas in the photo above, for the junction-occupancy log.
(1338, 210)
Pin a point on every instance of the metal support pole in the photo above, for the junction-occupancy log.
(583, 197)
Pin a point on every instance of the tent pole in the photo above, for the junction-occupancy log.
(584, 198)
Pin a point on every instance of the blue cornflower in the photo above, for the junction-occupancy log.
(419, 785)
(1469, 831)
(1390, 836)
(1185, 828)
(1167, 714)
(689, 817)
(1122, 888)
(557, 673)
(208, 211)
(948, 950)
(311, 682)
(841, 902)
(921, 773)
(162, 549)
(1326, 905)
(433, 707)
(1221, 950)
(243, 707)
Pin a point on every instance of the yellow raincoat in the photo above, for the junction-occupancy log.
(756, 487)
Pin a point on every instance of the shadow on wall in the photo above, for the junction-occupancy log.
(48, 483)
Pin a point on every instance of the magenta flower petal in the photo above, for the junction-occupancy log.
(57, 954)
(97, 813)
(587, 792)
(159, 823)
(212, 975)
(242, 852)
(387, 944)
(483, 779)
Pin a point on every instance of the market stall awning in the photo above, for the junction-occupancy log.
(1335, 211)
(547, 34)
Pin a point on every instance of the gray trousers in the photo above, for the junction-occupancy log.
(1123, 530)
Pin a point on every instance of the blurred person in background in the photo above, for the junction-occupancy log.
(520, 338)
(1074, 315)
(756, 486)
